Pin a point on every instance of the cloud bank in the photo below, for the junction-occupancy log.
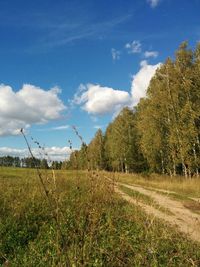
(54, 153)
(30, 105)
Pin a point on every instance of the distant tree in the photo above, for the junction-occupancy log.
(121, 143)
(82, 157)
(96, 153)
(56, 165)
(44, 164)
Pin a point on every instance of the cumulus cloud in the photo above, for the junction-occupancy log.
(54, 153)
(29, 105)
(153, 3)
(96, 99)
(134, 47)
(148, 54)
(141, 80)
(115, 54)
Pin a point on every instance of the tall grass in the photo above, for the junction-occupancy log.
(179, 184)
(100, 229)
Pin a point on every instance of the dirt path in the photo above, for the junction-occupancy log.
(187, 221)
(169, 192)
(197, 199)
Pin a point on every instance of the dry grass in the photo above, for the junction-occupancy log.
(180, 185)
(99, 228)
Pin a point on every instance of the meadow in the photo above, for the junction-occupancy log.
(81, 221)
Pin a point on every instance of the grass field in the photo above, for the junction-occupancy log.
(82, 222)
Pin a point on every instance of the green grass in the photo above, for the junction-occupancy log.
(95, 226)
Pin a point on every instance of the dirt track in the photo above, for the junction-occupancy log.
(186, 221)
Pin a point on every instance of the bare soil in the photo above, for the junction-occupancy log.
(183, 218)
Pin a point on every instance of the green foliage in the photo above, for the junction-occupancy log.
(117, 150)
(96, 152)
(9, 161)
(28, 162)
(169, 118)
(44, 164)
(121, 144)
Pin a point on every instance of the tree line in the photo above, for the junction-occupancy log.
(28, 162)
(161, 134)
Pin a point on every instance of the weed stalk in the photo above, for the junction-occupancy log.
(46, 191)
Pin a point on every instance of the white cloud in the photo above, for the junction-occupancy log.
(54, 153)
(134, 47)
(141, 80)
(60, 128)
(153, 3)
(96, 99)
(57, 128)
(149, 54)
(115, 54)
(29, 105)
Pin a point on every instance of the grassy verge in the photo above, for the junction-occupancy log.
(95, 226)
(144, 199)
(180, 185)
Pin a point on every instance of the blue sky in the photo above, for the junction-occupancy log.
(79, 62)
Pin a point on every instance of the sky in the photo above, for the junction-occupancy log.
(78, 63)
